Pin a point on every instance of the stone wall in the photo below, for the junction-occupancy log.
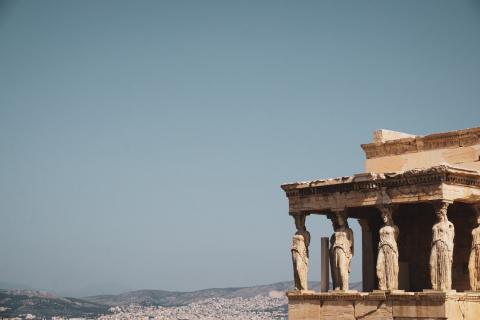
(376, 306)
(464, 157)
(395, 151)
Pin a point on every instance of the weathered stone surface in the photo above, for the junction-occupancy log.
(338, 310)
(474, 259)
(387, 259)
(414, 186)
(300, 243)
(441, 256)
(404, 308)
(382, 135)
(373, 310)
(393, 151)
(304, 309)
(378, 305)
(341, 251)
(466, 158)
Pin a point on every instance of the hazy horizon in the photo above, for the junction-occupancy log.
(143, 143)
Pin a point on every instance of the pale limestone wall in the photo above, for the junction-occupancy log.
(462, 157)
(375, 306)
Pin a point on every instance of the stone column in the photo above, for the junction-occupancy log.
(441, 255)
(299, 250)
(368, 263)
(387, 266)
(474, 259)
(324, 281)
(341, 250)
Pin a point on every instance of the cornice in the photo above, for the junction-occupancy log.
(378, 182)
(451, 139)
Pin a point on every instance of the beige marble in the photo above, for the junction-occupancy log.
(374, 306)
(441, 256)
(304, 309)
(373, 310)
(341, 250)
(474, 259)
(387, 259)
(395, 151)
(300, 243)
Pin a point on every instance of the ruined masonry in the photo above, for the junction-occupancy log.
(418, 205)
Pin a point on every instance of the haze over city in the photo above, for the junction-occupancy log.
(143, 144)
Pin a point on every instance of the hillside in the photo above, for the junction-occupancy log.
(173, 298)
(43, 304)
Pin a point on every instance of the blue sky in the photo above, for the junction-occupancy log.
(143, 143)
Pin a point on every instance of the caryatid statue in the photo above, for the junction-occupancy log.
(474, 261)
(300, 243)
(441, 256)
(341, 250)
(387, 259)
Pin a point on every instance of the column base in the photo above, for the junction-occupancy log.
(389, 291)
(438, 291)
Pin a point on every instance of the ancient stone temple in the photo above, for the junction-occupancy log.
(418, 205)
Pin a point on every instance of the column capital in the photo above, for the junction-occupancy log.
(440, 205)
(387, 207)
(338, 212)
(339, 209)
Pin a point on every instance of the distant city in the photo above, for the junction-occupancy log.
(256, 303)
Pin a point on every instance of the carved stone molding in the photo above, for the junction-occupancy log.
(460, 138)
(381, 182)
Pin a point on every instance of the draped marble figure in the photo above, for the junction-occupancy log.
(341, 250)
(441, 256)
(474, 261)
(387, 259)
(300, 243)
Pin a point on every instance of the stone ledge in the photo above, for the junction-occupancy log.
(383, 305)
(451, 139)
(431, 295)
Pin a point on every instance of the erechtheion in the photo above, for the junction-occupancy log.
(418, 205)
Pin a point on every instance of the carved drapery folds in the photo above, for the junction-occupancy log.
(441, 256)
(300, 243)
(387, 259)
(341, 250)
(474, 260)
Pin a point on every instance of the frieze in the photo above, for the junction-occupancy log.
(432, 176)
(460, 138)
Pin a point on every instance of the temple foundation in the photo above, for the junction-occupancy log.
(383, 306)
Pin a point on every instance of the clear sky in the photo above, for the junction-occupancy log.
(143, 143)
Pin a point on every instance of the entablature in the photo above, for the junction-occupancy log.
(369, 189)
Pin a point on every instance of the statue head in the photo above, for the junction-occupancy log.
(387, 215)
(442, 211)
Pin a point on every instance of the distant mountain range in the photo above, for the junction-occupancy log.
(14, 303)
(174, 298)
(44, 304)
